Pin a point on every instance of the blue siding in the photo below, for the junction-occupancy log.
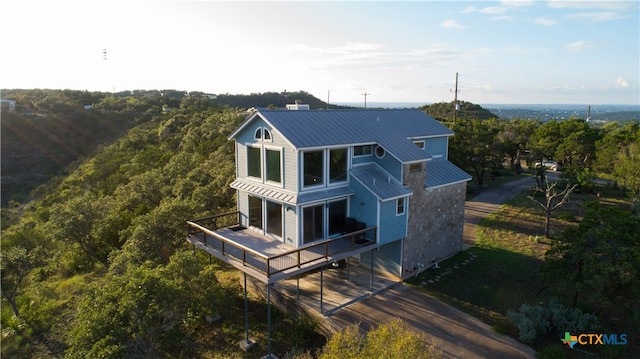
(364, 205)
(390, 164)
(278, 142)
(436, 146)
(392, 227)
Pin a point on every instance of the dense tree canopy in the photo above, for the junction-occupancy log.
(598, 262)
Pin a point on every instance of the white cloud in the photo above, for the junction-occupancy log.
(452, 24)
(582, 45)
(621, 82)
(595, 16)
(517, 3)
(580, 4)
(544, 22)
(490, 10)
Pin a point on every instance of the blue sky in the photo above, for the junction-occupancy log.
(526, 52)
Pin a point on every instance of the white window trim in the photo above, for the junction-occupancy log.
(358, 156)
(404, 206)
(247, 176)
(326, 171)
(264, 160)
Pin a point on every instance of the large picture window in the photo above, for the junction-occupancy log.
(337, 165)
(253, 162)
(255, 212)
(313, 168)
(273, 166)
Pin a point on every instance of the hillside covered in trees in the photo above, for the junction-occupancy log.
(94, 259)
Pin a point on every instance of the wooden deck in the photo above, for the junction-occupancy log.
(270, 260)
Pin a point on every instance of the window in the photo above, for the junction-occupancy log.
(253, 162)
(274, 218)
(258, 135)
(255, 212)
(415, 167)
(313, 172)
(267, 135)
(379, 151)
(420, 144)
(361, 150)
(312, 223)
(337, 165)
(273, 165)
(400, 206)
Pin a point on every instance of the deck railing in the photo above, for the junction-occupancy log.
(269, 265)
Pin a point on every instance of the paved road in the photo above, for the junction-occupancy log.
(458, 334)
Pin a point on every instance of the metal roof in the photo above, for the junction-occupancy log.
(379, 182)
(321, 128)
(441, 172)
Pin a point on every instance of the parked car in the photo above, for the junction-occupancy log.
(550, 165)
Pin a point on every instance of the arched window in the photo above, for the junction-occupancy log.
(267, 135)
(258, 135)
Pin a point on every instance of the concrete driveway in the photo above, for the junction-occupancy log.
(456, 333)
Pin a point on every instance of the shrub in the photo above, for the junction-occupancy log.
(535, 320)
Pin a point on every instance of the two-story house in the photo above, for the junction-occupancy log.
(318, 186)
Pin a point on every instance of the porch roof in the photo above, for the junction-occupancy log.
(290, 197)
(441, 172)
(380, 182)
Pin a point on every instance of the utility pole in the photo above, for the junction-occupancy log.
(455, 101)
(365, 98)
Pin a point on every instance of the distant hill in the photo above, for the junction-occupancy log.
(444, 111)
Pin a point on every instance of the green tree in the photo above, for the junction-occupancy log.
(389, 340)
(513, 140)
(146, 311)
(598, 261)
(618, 155)
(85, 220)
(474, 146)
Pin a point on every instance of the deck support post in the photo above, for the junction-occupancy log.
(246, 309)
(298, 288)
(321, 289)
(269, 321)
(348, 273)
(371, 281)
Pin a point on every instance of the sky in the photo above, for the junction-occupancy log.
(504, 52)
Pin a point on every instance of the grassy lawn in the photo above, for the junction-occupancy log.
(500, 272)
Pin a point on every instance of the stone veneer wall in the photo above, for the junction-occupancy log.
(436, 222)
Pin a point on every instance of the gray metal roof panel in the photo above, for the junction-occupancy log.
(389, 128)
(441, 172)
(379, 182)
